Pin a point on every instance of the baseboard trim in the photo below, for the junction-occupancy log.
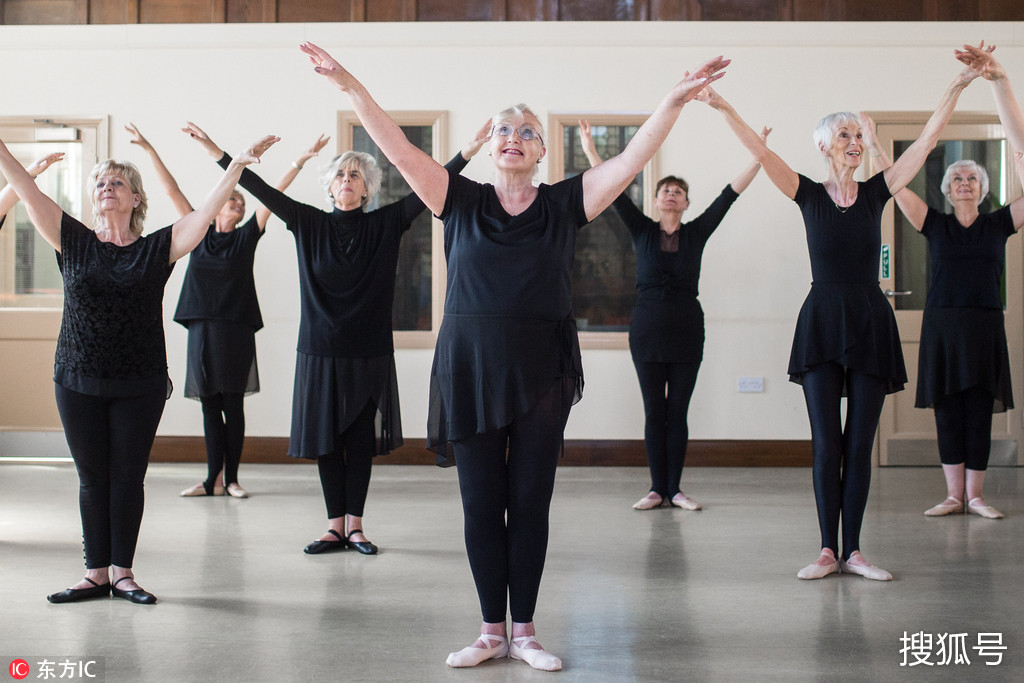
(579, 453)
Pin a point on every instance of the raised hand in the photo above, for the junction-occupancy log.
(137, 137)
(979, 59)
(326, 65)
(694, 82)
(314, 149)
(197, 134)
(252, 154)
(478, 141)
(764, 134)
(43, 163)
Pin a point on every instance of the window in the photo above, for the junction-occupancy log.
(29, 277)
(604, 269)
(420, 280)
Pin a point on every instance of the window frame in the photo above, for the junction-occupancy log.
(95, 141)
(438, 121)
(557, 122)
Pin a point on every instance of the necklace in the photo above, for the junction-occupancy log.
(842, 209)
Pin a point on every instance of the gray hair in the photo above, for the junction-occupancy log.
(520, 110)
(826, 129)
(367, 167)
(947, 178)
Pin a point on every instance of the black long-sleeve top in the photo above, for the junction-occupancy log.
(347, 263)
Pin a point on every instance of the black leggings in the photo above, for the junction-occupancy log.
(506, 477)
(964, 425)
(666, 388)
(224, 429)
(842, 454)
(110, 439)
(345, 473)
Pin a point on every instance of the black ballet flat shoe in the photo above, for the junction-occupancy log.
(318, 546)
(97, 590)
(138, 596)
(365, 547)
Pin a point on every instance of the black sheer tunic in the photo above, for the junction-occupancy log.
(508, 331)
(845, 317)
(111, 340)
(667, 324)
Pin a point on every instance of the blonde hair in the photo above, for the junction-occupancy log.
(368, 169)
(130, 173)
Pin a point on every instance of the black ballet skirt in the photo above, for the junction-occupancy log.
(963, 337)
(221, 359)
(331, 392)
(846, 318)
(962, 348)
(508, 333)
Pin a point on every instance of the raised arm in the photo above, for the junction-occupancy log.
(425, 176)
(170, 185)
(778, 171)
(8, 197)
(262, 212)
(188, 230)
(587, 142)
(603, 183)
(44, 212)
(1017, 205)
(912, 206)
(980, 59)
(744, 179)
(910, 162)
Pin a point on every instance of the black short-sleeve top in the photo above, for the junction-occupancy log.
(219, 284)
(111, 340)
(347, 262)
(967, 262)
(508, 332)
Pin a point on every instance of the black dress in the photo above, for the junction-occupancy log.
(667, 324)
(508, 331)
(845, 318)
(218, 306)
(345, 354)
(963, 338)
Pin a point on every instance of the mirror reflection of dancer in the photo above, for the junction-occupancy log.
(345, 407)
(507, 365)
(110, 368)
(846, 341)
(964, 363)
(218, 306)
(666, 328)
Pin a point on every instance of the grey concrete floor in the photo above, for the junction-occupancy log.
(627, 596)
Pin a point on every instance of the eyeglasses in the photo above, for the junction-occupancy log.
(526, 133)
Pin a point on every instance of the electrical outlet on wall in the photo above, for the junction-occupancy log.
(750, 385)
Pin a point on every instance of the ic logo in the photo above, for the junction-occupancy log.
(19, 669)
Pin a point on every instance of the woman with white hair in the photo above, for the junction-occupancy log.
(846, 341)
(964, 363)
(110, 369)
(507, 364)
(345, 407)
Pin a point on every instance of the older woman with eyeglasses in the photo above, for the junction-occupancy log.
(507, 363)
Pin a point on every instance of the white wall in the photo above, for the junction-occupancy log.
(241, 81)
